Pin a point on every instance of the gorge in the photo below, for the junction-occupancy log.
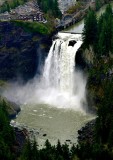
(54, 103)
(40, 96)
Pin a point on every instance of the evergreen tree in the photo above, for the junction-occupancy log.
(59, 148)
(90, 29)
(35, 153)
(7, 6)
(27, 151)
(7, 137)
(47, 144)
(105, 32)
(104, 122)
(50, 6)
(98, 4)
(66, 153)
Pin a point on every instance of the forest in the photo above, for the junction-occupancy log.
(50, 7)
(8, 5)
(47, 6)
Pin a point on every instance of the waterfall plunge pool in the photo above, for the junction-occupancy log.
(49, 122)
(56, 102)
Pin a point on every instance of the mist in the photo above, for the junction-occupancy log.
(60, 85)
(35, 92)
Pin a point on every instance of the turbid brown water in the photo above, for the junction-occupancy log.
(52, 123)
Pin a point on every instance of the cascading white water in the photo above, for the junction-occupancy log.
(54, 104)
(60, 85)
(60, 63)
(59, 71)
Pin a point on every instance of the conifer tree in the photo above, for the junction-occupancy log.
(105, 32)
(90, 29)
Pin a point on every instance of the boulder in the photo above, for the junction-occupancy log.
(12, 108)
(86, 133)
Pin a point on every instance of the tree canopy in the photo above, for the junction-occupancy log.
(99, 33)
(50, 6)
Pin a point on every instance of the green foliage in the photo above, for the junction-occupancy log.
(105, 32)
(35, 27)
(58, 152)
(104, 127)
(30, 151)
(100, 82)
(50, 6)
(90, 29)
(8, 5)
(7, 137)
(99, 34)
(98, 4)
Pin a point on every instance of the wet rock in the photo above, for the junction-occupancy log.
(86, 133)
(12, 108)
(21, 135)
(68, 140)
(72, 43)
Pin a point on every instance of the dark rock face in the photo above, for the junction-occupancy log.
(21, 136)
(19, 52)
(72, 43)
(79, 60)
(86, 133)
(12, 108)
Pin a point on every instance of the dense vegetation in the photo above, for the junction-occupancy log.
(7, 137)
(99, 33)
(35, 27)
(50, 7)
(99, 3)
(11, 4)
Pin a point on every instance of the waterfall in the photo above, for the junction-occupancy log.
(60, 85)
(64, 86)
(60, 63)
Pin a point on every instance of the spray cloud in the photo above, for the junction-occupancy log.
(60, 85)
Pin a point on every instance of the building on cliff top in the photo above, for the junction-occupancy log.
(65, 4)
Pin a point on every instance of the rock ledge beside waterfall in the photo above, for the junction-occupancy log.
(20, 52)
(86, 133)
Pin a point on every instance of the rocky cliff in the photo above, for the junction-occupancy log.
(20, 52)
(84, 58)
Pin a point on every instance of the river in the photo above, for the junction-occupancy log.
(51, 123)
(78, 27)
